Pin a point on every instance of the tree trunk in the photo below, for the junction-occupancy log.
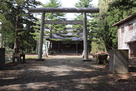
(16, 49)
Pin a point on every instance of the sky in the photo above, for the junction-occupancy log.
(69, 4)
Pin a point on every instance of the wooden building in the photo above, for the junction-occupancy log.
(127, 34)
(66, 43)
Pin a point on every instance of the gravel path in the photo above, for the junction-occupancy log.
(57, 73)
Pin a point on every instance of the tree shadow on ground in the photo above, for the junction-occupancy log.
(47, 76)
(70, 82)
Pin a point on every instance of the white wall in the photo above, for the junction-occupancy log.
(127, 36)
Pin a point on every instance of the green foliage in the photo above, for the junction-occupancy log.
(14, 15)
(84, 3)
(122, 5)
(52, 3)
(114, 12)
(54, 28)
(79, 28)
(117, 11)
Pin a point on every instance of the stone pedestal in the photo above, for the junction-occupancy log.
(15, 57)
(101, 58)
(118, 61)
(2, 58)
(19, 57)
(22, 58)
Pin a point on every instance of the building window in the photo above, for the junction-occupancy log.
(122, 30)
(130, 26)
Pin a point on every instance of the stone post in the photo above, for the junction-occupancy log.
(2, 58)
(118, 61)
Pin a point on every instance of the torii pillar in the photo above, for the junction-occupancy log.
(85, 51)
(41, 37)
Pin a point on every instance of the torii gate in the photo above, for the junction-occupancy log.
(64, 10)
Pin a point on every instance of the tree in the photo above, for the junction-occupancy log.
(5, 23)
(79, 28)
(115, 11)
(54, 28)
(18, 16)
(100, 27)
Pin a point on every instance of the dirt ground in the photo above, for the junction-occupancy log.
(64, 73)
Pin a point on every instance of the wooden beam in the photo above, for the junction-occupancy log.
(63, 22)
(63, 10)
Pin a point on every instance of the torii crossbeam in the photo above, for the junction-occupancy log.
(64, 10)
(63, 22)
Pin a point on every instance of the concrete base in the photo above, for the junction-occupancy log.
(87, 60)
(2, 59)
(39, 59)
(118, 61)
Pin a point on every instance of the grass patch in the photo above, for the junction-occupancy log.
(31, 56)
(8, 62)
(1, 75)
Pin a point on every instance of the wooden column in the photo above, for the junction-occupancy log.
(41, 37)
